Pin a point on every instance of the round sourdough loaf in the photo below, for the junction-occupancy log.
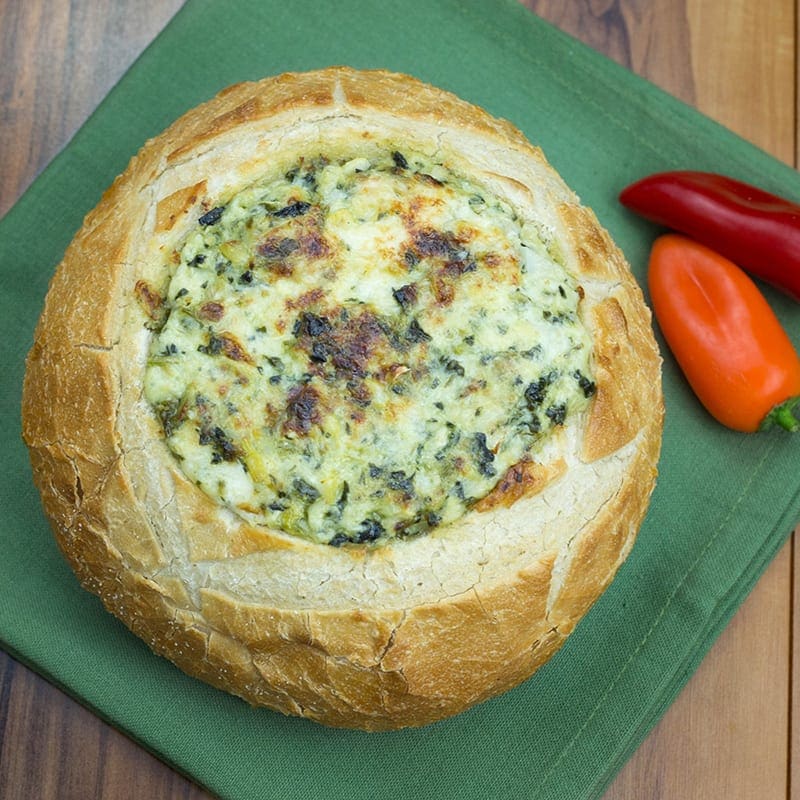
(407, 510)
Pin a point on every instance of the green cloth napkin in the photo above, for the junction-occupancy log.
(724, 504)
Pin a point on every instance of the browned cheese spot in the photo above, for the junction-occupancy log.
(151, 301)
(232, 348)
(299, 240)
(306, 300)
(302, 410)
(211, 311)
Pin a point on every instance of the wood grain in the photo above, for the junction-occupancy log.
(66, 57)
(729, 734)
(53, 748)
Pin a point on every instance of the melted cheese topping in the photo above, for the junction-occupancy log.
(361, 349)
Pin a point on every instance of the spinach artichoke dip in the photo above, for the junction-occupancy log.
(362, 347)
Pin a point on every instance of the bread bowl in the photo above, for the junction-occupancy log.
(342, 402)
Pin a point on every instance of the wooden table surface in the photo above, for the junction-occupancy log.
(730, 732)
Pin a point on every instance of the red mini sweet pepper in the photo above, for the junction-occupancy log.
(724, 335)
(756, 230)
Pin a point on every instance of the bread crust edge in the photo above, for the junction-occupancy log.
(376, 668)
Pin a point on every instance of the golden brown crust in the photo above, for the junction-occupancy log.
(400, 635)
(180, 202)
(522, 480)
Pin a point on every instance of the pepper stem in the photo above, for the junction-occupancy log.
(784, 415)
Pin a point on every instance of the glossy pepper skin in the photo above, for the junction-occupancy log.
(727, 340)
(756, 230)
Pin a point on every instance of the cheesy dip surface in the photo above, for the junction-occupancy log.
(362, 348)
